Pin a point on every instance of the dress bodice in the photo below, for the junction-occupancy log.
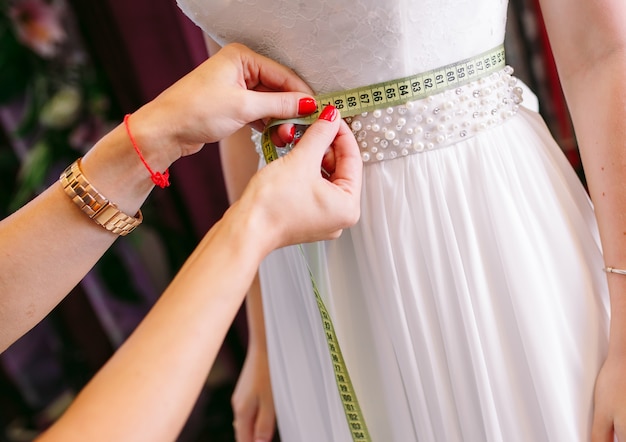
(341, 44)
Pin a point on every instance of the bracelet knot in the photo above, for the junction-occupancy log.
(160, 179)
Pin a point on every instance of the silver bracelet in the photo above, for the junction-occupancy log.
(614, 270)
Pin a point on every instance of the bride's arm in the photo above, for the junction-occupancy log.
(589, 42)
(252, 401)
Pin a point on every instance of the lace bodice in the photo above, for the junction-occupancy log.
(341, 44)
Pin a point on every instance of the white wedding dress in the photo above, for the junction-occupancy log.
(469, 300)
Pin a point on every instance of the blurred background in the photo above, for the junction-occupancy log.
(69, 71)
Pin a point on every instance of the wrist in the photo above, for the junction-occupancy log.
(617, 329)
(247, 217)
(113, 168)
(154, 137)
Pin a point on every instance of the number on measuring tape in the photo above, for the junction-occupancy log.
(352, 410)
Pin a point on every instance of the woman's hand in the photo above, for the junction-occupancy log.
(292, 201)
(609, 422)
(252, 401)
(234, 87)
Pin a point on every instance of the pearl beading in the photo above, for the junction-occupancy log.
(430, 123)
(438, 120)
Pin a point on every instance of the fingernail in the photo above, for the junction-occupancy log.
(292, 134)
(329, 113)
(306, 106)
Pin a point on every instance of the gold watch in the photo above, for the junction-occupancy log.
(95, 205)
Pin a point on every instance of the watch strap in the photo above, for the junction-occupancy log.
(95, 205)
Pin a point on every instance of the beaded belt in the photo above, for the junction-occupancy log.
(437, 120)
(421, 112)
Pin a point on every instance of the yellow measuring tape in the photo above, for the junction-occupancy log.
(365, 99)
(351, 407)
(395, 92)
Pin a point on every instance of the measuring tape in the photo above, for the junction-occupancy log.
(365, 99)
(351, 407)
(393, 93)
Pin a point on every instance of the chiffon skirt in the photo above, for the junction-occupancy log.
(469, 301)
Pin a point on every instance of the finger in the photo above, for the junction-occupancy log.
(280, 135)
(278, 105)
(345, 157)
(602, 429)
(320, 135)
(244, 424)
(604, 436)
(347, 176)
(348, 166)
(265, 424)
(244, 431)
(262, 72)
(328, 162)
(283, 134)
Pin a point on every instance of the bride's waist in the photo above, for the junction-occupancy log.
(433, 122)
(437, 120)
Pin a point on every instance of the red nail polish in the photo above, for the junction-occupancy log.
(292, 134)
(329, 113)
(306, 106)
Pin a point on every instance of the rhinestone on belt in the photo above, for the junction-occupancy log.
(438, 120)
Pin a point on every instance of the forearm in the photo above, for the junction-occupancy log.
(164, 363)
(599, 113)
(589, 43)
(255, 317)
(49, 244)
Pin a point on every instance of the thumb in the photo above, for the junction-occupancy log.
(321, 134)
(279, 105)
(265, 424)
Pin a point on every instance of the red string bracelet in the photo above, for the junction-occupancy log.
(160, 179)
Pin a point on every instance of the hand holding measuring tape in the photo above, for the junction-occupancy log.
(317, 200)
